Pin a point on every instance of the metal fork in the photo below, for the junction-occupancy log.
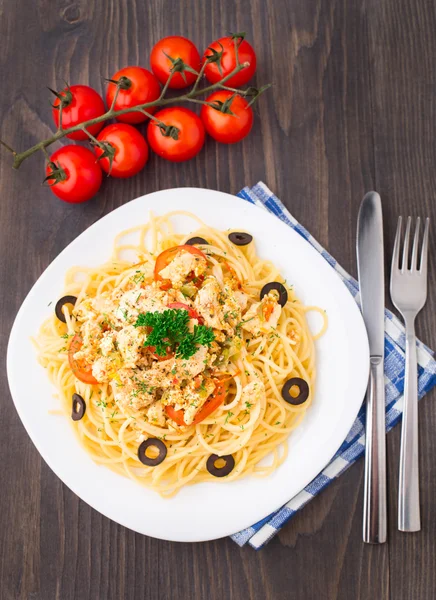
(409, 293)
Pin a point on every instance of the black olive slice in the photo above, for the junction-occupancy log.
(59, 305)
(220, 471)
(301, 384)
(239, 238)
(197, 240)
(278, 287)
(78, 408)
(155, 443)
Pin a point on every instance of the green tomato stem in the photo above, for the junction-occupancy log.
(20, 157)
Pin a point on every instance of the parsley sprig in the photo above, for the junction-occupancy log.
(169, 330)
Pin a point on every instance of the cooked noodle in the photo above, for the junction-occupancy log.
(111, 432)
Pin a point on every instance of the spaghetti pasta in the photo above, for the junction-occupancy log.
(253, 350)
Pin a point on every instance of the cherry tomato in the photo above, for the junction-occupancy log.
(138, 86)
(178, 416)
(79, 103)
(224, 127)
(81, 371)
(129, 148)
(184, 137)
(212, 403)
(165, 257)
(227, 63)
(175, 47)
(193, 314)
(73, 174)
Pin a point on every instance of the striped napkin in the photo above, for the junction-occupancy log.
(353, 446)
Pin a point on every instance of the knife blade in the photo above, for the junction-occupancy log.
(370, 265)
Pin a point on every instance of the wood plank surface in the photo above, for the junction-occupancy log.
(352, 107)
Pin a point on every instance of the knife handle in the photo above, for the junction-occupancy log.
(374, 499)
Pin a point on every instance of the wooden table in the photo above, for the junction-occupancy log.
(352, 108)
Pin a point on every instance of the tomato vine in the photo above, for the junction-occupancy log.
(191, 96)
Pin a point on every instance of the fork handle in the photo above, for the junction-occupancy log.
(408, 493)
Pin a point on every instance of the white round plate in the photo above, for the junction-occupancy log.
(208, 510)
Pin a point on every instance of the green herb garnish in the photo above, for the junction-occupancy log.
(143, 388)
(169, 330)
(139, 277)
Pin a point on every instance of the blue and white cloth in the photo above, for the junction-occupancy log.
(353, 446)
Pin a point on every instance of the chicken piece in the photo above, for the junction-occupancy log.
(91, 333)
(136, 301)
(219, 308)
(175, 296)
(96, 309)
(190, 399)
(241, 299)
(156, 415)
(107, 342)
(102, 303)
(173, 396)
(164, 373)
(252, 393)
(181, 266)
(219, 337)
(194, 365)
(207, 303)
(262, 316)
(131, 390)
(231, 308)
(130, 340)
(102, 369)
(85, 310)
(196, 398)
(107, 359)
(116, 349)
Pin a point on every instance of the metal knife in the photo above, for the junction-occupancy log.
(370, 264)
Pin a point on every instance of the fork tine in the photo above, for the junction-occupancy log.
(396, 252)
(424, 251)
(406, 246)
(415, 245)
